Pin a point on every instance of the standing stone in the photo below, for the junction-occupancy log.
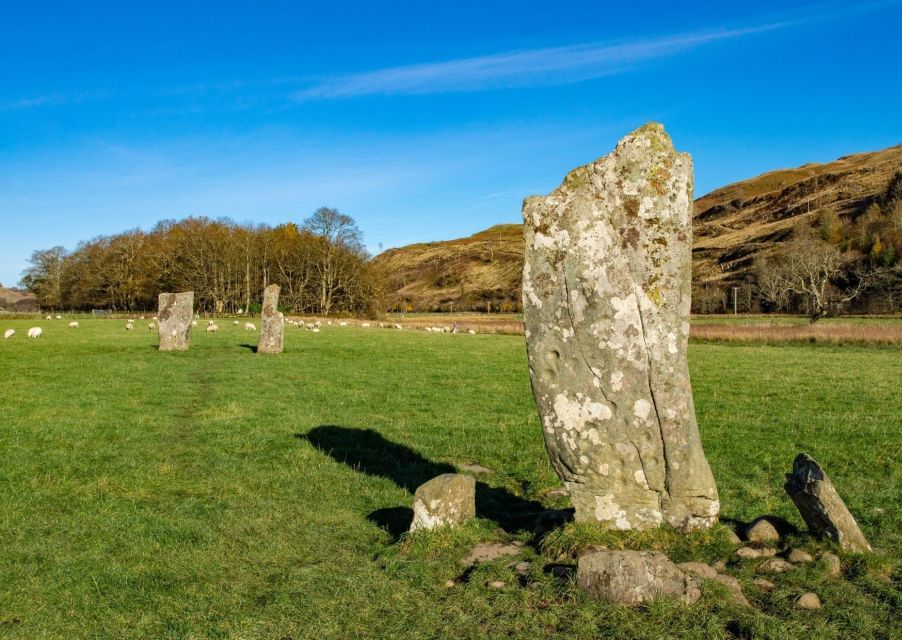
(634, 577)
(446, 500)
(272, 322)
(821, 507)
(175, 314)
(606, 286)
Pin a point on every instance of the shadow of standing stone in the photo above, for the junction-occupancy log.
(175, 314)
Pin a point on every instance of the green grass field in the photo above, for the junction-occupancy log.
(224, 494)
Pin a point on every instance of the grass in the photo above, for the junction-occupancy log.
(224, 494)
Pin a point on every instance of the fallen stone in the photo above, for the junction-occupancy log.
(763, 584)
(761, 530)
(774, 565)
(497, 584)
(488, 551)
(832, 564)
(634, 577)
(705, 572)
(747, 553)
(176, 311)
(446, 500)
(475, 468)
(606, 295)
(798, 556)
(272, 322)
(808, 601)
(820, 505)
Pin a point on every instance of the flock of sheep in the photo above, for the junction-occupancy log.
(212, 327)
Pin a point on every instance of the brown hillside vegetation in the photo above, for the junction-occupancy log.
(16, 300)
(733, 225)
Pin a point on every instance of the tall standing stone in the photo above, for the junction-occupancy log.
(175, 313)
(606, 286)
(272, 322)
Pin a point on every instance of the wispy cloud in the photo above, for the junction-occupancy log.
(536, 67)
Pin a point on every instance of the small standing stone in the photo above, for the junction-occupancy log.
(175, 314)
(634, 577)
(808, 601)
(820, 505)
(446, 500)
(272, 322)
(832, 563)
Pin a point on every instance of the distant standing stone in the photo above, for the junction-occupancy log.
(634, 577)
(446, 500)
(175, 313)
(606, 299)
(820, 505)
(272, 322)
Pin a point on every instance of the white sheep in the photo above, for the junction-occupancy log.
(73, 324)
(35, 332)
(365, 324)
(151, 326)
(9, 333)
(129, 326)
(342, 324)
(249, 326)
(471, 332)
(50, 317)
(398, 327)
(194, 323)
(212, 328)
(141, 318)
(210, 323)
(59, 317)
(236, 323)
(314, 330)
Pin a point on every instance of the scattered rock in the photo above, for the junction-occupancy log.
(832, 564)
(449, 584)
(475, 468)
(497, 584)
(798, 556)
(446, 500)
(272, 322)
(774, 565)
(733, 538)
(761, 530)
(176, 312)
(820, 505)
(522, 568)
(747, 553)
(634, 577)
(488, 551)
(808, 601)
(605, 304)
(763, 584)
(720, 565)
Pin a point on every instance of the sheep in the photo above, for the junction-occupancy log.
(365, 324)
(194, 323)
(49, 317)
(210, 323)
(9, 333)
(236, 323)
(212, 328)
(129, 326)
(35, 332)
(151, 326)
(342, 324)
(73, 324)
(249, 326)
(398, 327)
(314, 330)
(59, 317)
(471, 332)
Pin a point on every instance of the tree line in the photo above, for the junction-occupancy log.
(321, 266)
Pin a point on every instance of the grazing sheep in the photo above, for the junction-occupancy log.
(9, 333)
(129, 326)
(471, 332)
(210, 323)
(314, 330)
(194, 323)
(212, 328)
(59, 317)
(235, 322)
(50, 317)
(249, 326)
(155, 319)
(151, 326)
(329, 322)
(365, 324)
(342, 324)
(73, 324)
(35, 332)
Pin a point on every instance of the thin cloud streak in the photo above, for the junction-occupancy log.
(556, 65)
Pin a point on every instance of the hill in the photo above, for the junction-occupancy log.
(732, 225)
(16, 300)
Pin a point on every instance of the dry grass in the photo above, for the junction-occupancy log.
(859, 333)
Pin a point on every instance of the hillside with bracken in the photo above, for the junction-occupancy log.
(855, 202)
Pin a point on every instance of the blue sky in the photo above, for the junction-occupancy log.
(423, 121)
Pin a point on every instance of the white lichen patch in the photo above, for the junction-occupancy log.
(641, 408)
